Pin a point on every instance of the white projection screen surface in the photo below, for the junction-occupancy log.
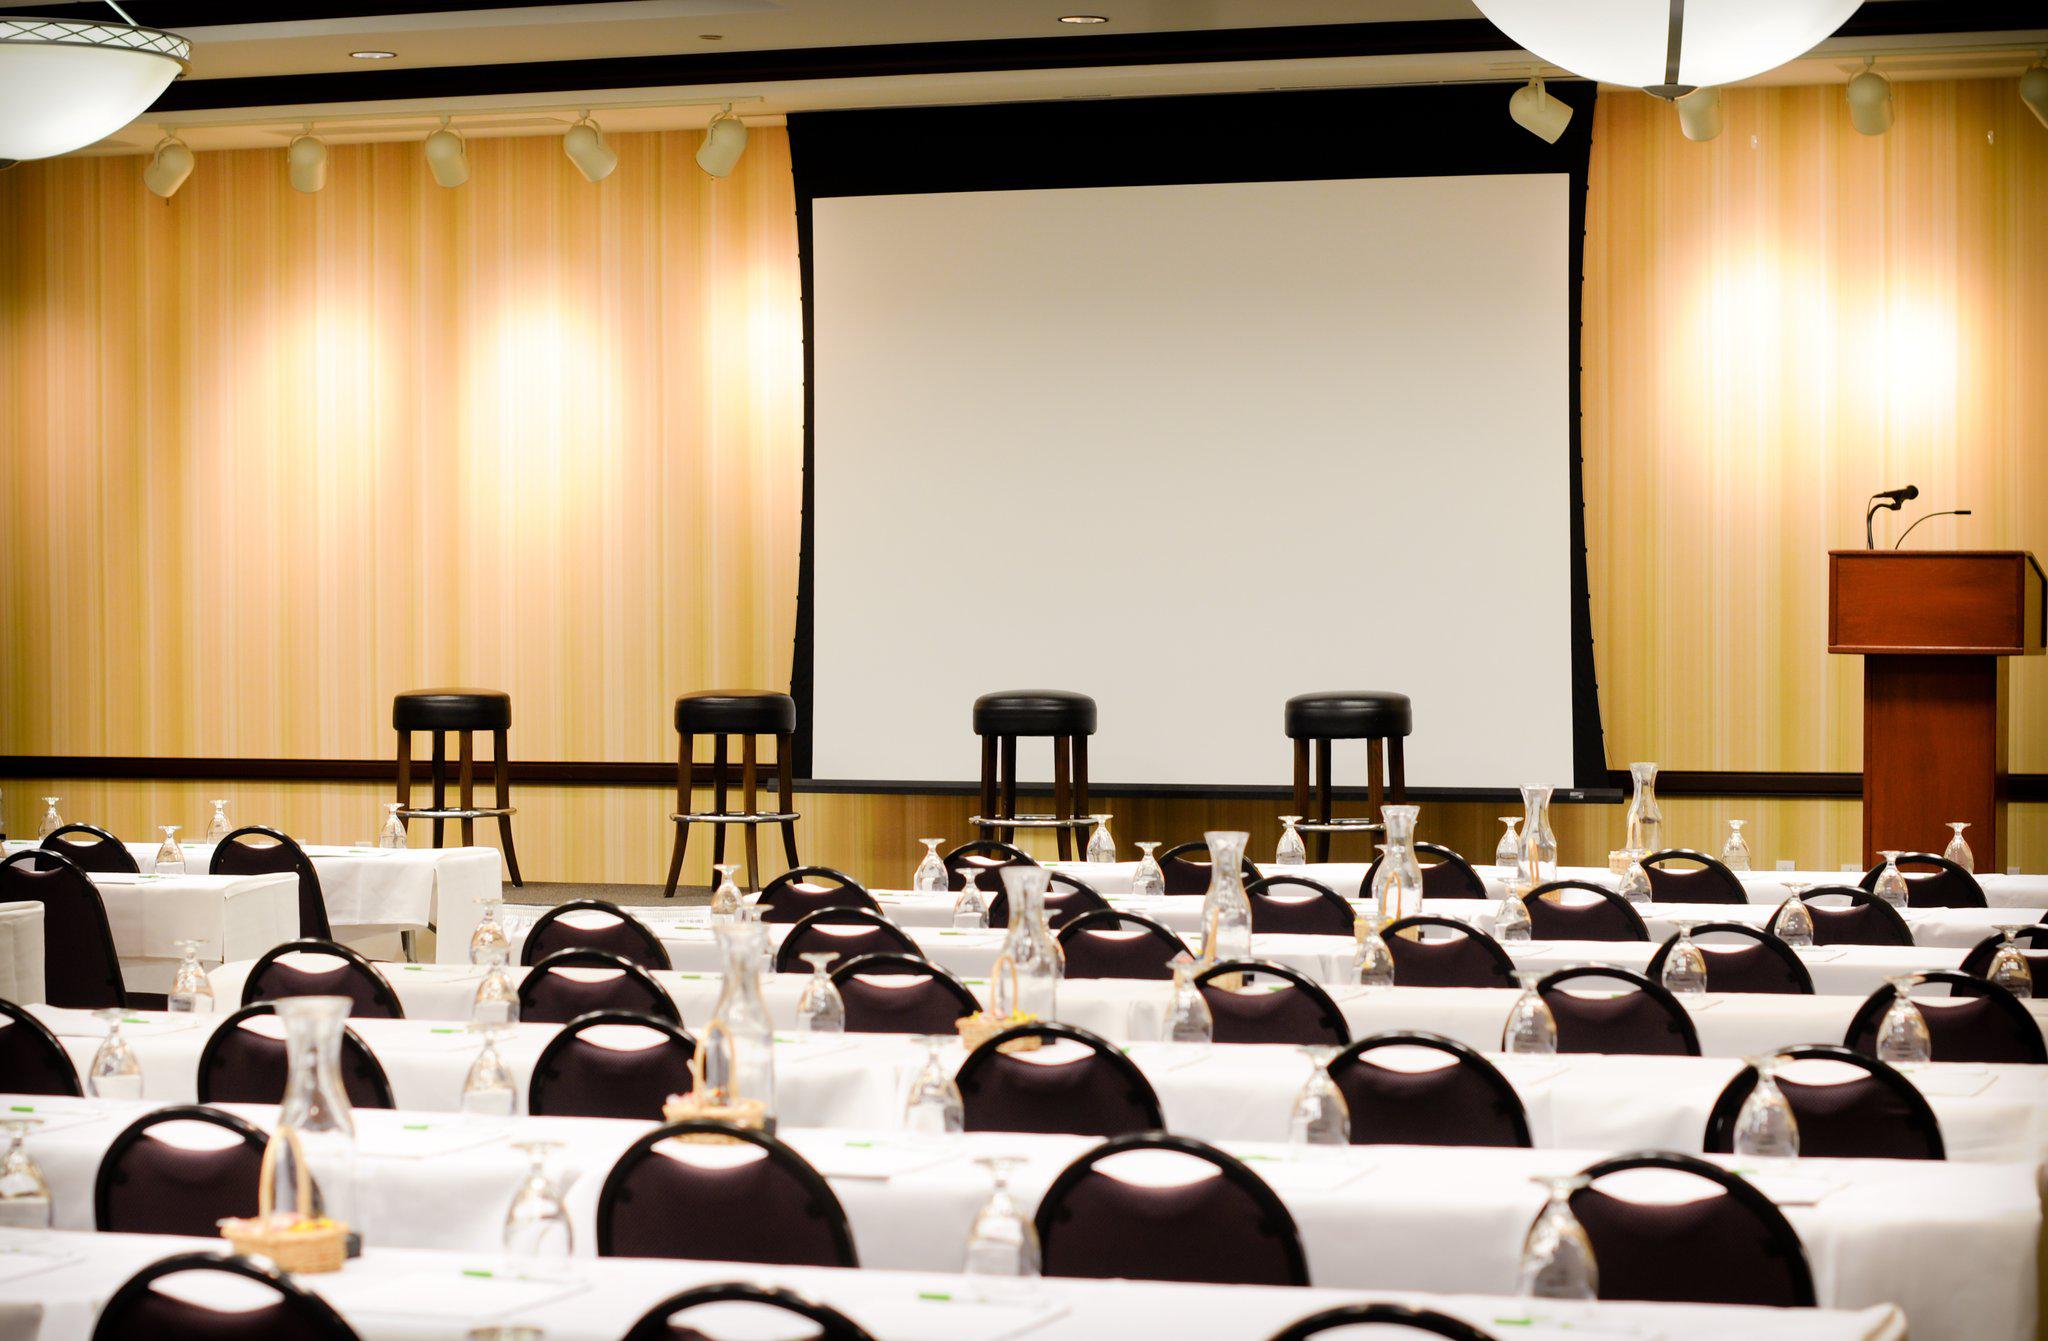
(1193, 449)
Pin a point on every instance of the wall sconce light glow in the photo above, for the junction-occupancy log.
(168, 167)
(585, 146)
(1537, 111)
(2034, 91)
(1699, 114)
(307, 161)
(447, 156)
(1870, 100)
(725, 139)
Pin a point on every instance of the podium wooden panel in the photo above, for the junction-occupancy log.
(1935, 628)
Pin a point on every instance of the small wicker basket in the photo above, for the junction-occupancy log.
(713, 1103)
(983, 1025)
(295, 1243)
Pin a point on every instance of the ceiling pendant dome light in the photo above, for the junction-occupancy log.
(1668, 47)
(65, 84)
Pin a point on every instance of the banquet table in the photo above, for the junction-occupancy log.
(399, 1294)
(1211, 1091)
(21, 952)
(370, 889)
(231, 916)
(2010, 890)
(1954, 1245)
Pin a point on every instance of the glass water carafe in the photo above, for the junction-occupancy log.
(742, 1016)
(1030, 960)
(1397, 884)
(315, 1123)
(1539, 844)
(1645, 819)
(1226, 908)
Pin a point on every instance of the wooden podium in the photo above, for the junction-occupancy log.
(1935, 628)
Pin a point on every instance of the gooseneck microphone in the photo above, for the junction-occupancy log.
(1953, 512)
(1891, 500)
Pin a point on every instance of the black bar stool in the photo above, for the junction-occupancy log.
(1068, 718)
(463, 711)
(1380, 719)
(722, 714)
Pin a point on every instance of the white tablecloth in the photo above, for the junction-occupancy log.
(21, 952)
(597, 1299)
(231, 916)
(2000, 891)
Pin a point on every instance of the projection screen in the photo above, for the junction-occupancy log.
(1192, 449)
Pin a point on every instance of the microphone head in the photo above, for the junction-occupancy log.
(1909, 493)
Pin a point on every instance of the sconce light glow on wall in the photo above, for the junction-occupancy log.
(64, 85)
(725, 139)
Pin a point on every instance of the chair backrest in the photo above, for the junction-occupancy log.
(672, 1194)
(31, 1058)
(984, 857)
(244, 1062)
(569, 983)
(1458, 954)
(1877, 1114)
(593, 924)
(1109, 944)
(1979, 1022)
(846, 932)
(1064, 1079)
(1579, 910)
(141, 1312)
(1298, 1011)
(795, 894)
(1707, 881)
(900, 994)
(1730, 1246)
(1445, 874)
(1763, 963)
(2033, 943)
(80, 966)
(1186, 868)
(274, 854)
(178, 1170)
(1299, 905)
(1225, 1227)
(656, 1324)
(1427, 1321)
(1464, 1102)
(322, 968)
(1864, 919)
(1933, 882)
(90, 848)
(1645, 1019)
(612, 1064)
(1065, 900)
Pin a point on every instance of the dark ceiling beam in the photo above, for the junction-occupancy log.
(1060, 52)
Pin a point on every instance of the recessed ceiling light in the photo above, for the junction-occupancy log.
(711, 37)
(374, 55)
(1084, 18)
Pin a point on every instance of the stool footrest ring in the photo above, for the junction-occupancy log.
(1339, 826)
(737, 817)
(476, 812)
(1032, 822)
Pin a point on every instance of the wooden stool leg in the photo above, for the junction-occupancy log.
(748, 797)
(1301, 778)
(988, 782)
(1375, 776)
(718, 800)
(1009, 810)
(684, 762)
(785, 792)
(1059, 792)
(1323, 797)
(465, 784)
(404, 776)
(1397, 782)
(440, 782)
(501, 773)
(1078, 746)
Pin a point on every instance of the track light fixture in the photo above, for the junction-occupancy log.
(1699, 114)
(725, 139)
(2034, 89)
(307, 160)
(447, 156)
(1535, 110)
(168, 167)
(1870, 100)
(585, 145)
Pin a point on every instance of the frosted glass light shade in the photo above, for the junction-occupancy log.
(65, 85)
(1629, 41)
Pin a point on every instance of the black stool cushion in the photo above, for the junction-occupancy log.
(735, 712)
(1347, 714)
(1034, 712)
(451, 710)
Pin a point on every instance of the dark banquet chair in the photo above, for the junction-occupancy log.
(90, 848)
(1449, 876)
(569, 983)
(611, 1064)
(1757, 962)
(672, 1195)
(1295, 1011)
(1932, 881)
(1462, 1099)
(593, 924)
(1457, 954)
(1298, 905)
(81, 969)
(1644, 1018)
(1109, 944)
(178, 1170)
(1065, 899)
(322, 968)
(983, 858)
(1876, 1113)
(32, 1060)
(660, 1323)
(243, 1062)
(139, 1311)
(1708, 879)
(255, 850)
(1380, 1316)
(901, 994)
(1048, 1088)
(1579, 910)
(795, 895)
(846, 932)
(1978, 1021)
(1852, 916)
(1186, 867)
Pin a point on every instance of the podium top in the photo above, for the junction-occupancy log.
(1936, 602)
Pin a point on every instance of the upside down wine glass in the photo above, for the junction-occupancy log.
(1557, 1257)
(934, 1105)
(1958, 849)
(1685, 964)
(52, 821)
(170, 858)
(218, 827)
(1101, 843)
(24, 1193)
(1635, 880)
(1290, 851)
(1372, 963)
(191, 990)
(1188, 1018)
(1507, 854)
(970, 910)
(930, 877)
(2009, 967)
(1003, 1241)
(116, 1072)
(488, 1089)
(1903, 1039)
(820, 1010)
(1765, 1127)
(1320, 1117)
(1891, 881)
(489, 941)
(537, 1223)
(1511, 924)
(1148, 882)
(726, 903)
(1531, 1029)
(1793, 922)
(1735, 852)
(391, 837)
